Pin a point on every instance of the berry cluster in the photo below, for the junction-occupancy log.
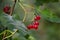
(6, 9)
(35, 24)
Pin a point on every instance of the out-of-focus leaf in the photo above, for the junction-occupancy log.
(40, 2)
(11, 23)
(49, 15)
(17, 36)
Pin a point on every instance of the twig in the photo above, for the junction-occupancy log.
(30, 7)
(10, 35)
(24, 11)
(12, 8)
(4, 34)
(5, 31)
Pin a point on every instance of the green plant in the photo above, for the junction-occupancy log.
(15, 17)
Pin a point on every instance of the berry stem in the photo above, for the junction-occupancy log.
(12, 8)
(24, 11)
(33, 18)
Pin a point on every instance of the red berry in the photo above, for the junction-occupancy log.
(36, 23)
(37, 18)
(30, 26)
(35, 27)
(6, 9)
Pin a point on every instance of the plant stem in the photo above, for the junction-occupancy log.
(10, 35)
(12, 8)
(4, 33)
(24, 11)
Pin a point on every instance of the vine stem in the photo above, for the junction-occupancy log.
(12, 8)
(4, 33)
(10, 35)
(30, 7)
(33, 18)
(24, 11)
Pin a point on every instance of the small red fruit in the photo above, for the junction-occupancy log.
(37, 18)
(35, 27)
(30, 26)
(6, 9)
(36, 23)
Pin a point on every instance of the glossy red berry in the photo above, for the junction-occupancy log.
(30, 26)
(36, 23)
(35, 27)
(37, 18)
(6, 9)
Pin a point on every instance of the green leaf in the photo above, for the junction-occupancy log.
(11, 23)
(40, 2)
(49, 15)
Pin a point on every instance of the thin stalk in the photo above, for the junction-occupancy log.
(12, 8)
(24, 11)
(10, 35)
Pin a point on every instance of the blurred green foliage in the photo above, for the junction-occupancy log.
(40, 2)
(49, 28)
